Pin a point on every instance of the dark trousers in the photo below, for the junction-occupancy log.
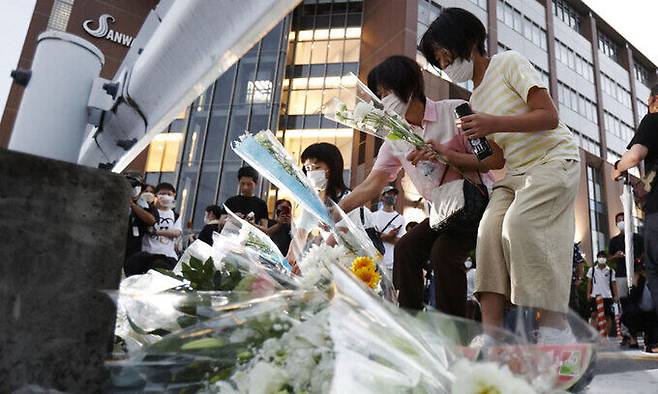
(637, 320)
(651, 256)
(141, 262)
(446, 252)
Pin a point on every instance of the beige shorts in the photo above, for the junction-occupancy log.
(525, 239)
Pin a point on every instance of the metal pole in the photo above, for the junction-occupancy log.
(627, 202)
(52, 117)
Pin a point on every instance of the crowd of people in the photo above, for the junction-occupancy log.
(522, 242)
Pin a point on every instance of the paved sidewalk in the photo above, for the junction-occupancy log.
(627, 371)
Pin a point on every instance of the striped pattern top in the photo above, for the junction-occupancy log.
(504, 91)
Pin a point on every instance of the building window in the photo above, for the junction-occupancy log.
(60, 14)
(523, 25)
(642, 109)
(617, 127)
(641, 74)
(608, 47)
(586, 143)
(428, 11)
(322, 46)
(480, 3)
(574, 61)
(577, 102)
(163, 152)
(597, 211)
(615, 90)
(567, 14)
(259, 91)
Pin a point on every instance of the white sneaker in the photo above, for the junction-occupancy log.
(554, 336)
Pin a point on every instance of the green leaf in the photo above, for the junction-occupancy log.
(196, 263)
(187, 321)
(203, 343)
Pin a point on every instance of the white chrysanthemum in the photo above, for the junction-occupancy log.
(362, 110)
(487, 377)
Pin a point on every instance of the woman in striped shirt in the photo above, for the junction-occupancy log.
(525, 238)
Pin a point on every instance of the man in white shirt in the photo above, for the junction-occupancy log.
(602, 282)
(159, 245)
(390, 224)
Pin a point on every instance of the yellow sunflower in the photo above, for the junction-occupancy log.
(368, 276)
(363, 262)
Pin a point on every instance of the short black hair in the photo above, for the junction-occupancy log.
(602, 253)
(330, 155)
(147, 185)
(215, 210)
(248, 172)
(654, 90)
(165, 186)
(456, 30)
(618, 215)
(399, 74)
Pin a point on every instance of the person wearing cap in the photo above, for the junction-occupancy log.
(389, 223)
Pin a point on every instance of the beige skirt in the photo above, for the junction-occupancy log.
(525, 239)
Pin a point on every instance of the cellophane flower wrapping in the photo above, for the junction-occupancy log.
(365, 112)
(255, 242)
(266, 154)
(228, 321)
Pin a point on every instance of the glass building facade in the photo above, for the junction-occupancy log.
(195, 153)
(281, 85)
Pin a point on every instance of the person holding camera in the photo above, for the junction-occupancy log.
(279, 230)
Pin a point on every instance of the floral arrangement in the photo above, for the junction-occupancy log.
(224, 321)
(365, 269)
(254, 241)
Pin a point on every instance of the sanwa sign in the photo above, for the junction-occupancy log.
(103, 30)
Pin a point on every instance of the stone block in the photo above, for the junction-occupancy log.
(62, 240)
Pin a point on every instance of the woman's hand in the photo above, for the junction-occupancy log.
(431, 152)
(478, 125)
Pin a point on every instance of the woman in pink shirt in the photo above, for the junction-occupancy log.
(399, 81)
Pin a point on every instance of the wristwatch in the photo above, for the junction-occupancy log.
(617, 164)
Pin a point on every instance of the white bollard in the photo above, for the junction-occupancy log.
(52, 117)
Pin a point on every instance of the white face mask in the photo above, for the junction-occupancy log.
(601, 260)
(166, 200)
(318, 179)
(468, 264)
(393, 104)
(147, 197)
(460, 70)
(136, 190)
(621, 225)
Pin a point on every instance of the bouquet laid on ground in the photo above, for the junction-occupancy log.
(228, 319)
(255, 242)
